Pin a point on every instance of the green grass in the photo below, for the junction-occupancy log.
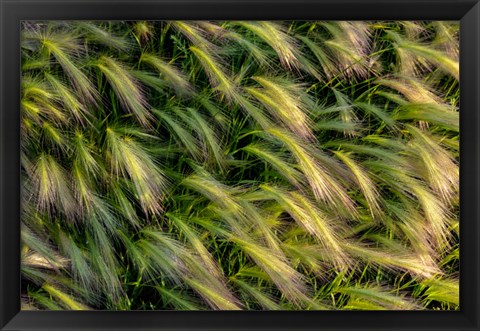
(240, 165)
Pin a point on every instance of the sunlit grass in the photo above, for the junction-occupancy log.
(240, 165)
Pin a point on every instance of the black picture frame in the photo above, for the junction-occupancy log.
(13, 11)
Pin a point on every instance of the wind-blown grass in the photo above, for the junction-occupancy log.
(240, 165)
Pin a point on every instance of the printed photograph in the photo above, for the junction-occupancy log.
(240, 165)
